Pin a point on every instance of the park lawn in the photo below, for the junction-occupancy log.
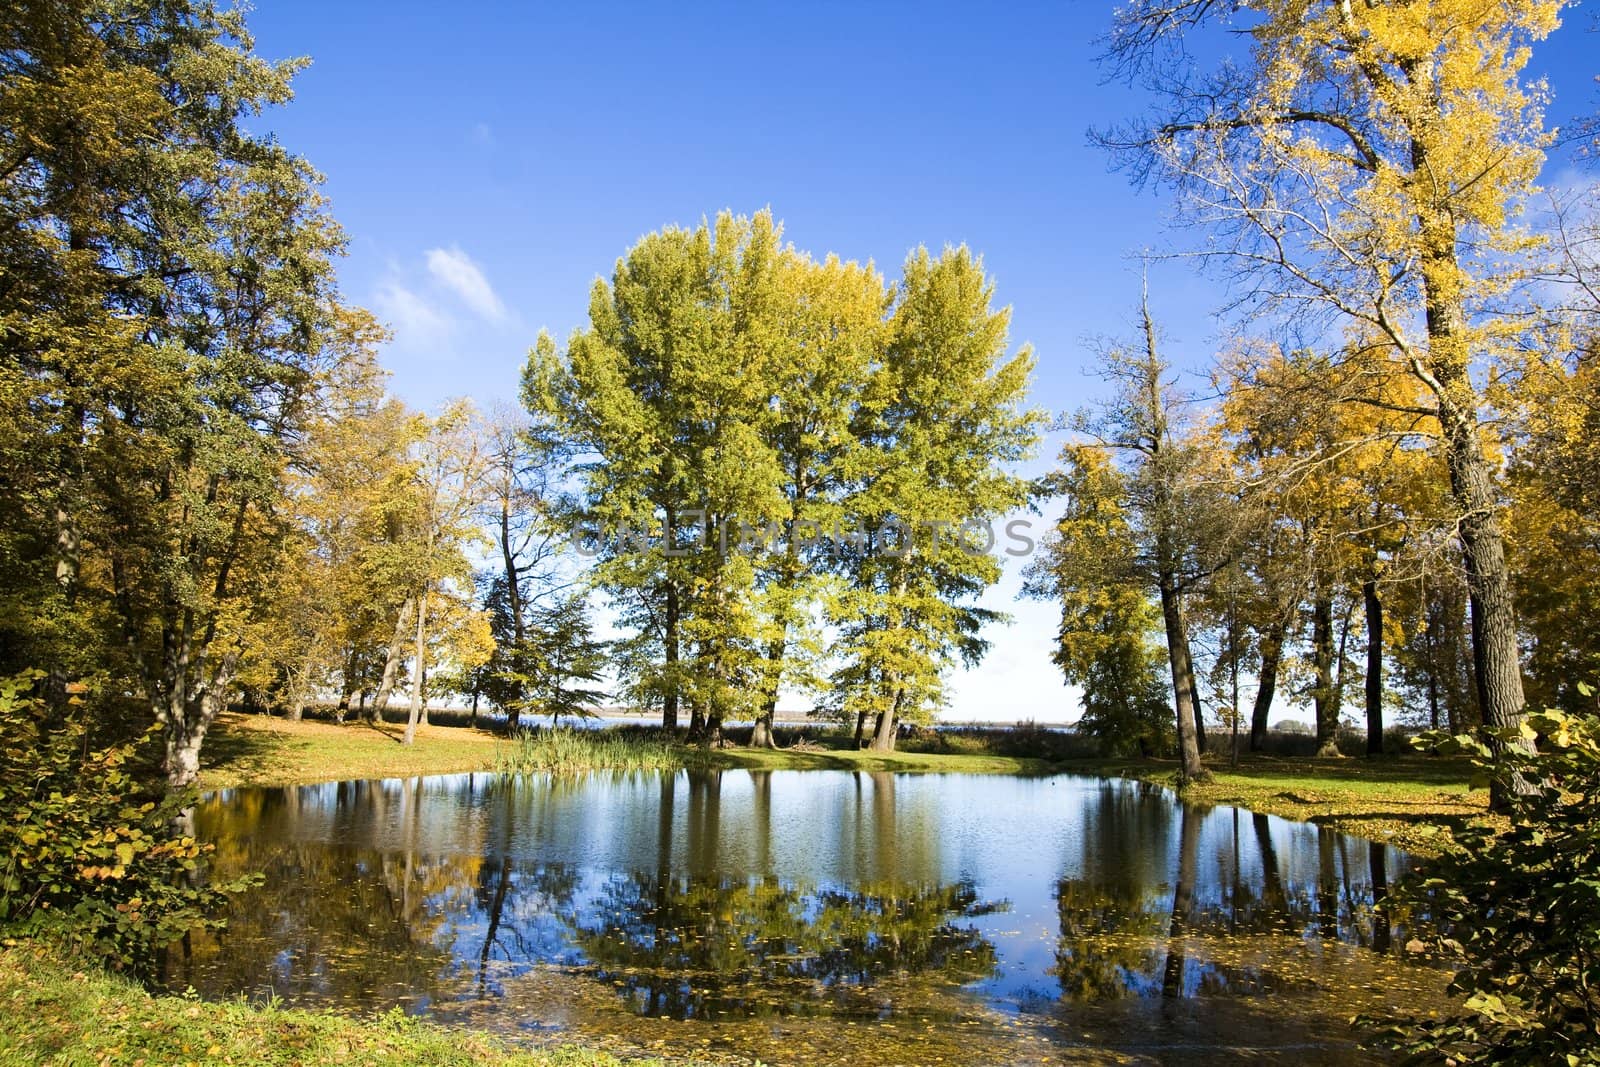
(53, 1013)
(262, 750)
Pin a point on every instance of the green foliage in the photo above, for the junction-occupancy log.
(1519, 909)
(168, 326)
(92, 859)
(1105, 642)
(731, 391)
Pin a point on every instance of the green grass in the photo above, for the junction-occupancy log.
(258, 750)
(53, 1013)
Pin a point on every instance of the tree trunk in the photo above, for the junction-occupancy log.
(300, 692)
(416, 675)
(391, 662)
(669, 701)
(1183, 689)
(1325, 697)
(888, 725)
(1267, 682)
(761, 734)
(1374, 610)
(1496, 660)
(861, 727)
(519, 631)
(347, 688)
(185, 719)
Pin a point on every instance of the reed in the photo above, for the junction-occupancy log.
(561, 750)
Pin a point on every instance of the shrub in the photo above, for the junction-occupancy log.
(1519, 910)
(89, 854)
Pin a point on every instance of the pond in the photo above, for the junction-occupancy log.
(813, 916)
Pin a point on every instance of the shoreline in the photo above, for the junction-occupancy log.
(1399, 800)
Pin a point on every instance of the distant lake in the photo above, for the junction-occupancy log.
(813, 916)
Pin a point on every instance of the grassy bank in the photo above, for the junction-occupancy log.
(1407, 800)
(260, 750)
(51, 1013)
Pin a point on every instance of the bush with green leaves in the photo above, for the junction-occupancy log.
(90, 856)
(1518, 908)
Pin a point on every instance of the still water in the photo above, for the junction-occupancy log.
(814, 916)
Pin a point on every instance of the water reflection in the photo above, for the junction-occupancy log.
(948, 903)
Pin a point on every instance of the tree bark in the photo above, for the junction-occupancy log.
(883, 736)
(1267, 682)
(1374, 611)
(347, 688)
(186, 718)
(519, 631)
(421, 666)
(669, 640)
(1496, 660)
(1325, 697)
(761, 734)
(1183, 689)
(391, 662)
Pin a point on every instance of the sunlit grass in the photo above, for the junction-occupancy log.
(52, 1012)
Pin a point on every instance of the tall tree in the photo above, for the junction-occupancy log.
(449, 493)
(836, 331)
(662, 399)
(1177, 516)
(1368, 160)
(941, 421)
(1342, 467)
(1089, 565)
(187, 267)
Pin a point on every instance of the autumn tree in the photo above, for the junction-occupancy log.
(447, 494)
(662, 400)
(1177, 516)
(169, 304)
(835, 331)
(1367, 162)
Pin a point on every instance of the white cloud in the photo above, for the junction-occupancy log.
(455, 270)
(413, 319)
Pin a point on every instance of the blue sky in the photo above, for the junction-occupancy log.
(489, 161)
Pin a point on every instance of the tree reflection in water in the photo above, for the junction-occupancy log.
(615, 906)
(688, 948)
(1122, 937)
